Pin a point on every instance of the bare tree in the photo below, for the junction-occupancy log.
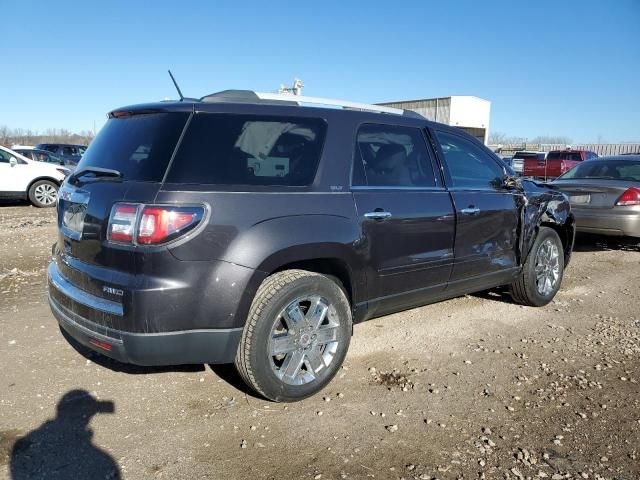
(12, 136)
(552, 139)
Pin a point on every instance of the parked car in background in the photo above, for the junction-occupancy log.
(517, 163)
(605, 195)
(43, 156)
(68, 152)
(173, 249)
(555, 164)
(22, 178)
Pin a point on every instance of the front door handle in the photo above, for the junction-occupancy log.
(377, 215)
(470, 210)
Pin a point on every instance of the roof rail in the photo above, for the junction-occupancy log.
(301, 99)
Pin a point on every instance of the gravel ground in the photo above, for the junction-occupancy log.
(475, 387)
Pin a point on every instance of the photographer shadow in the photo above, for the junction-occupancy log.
(62, 447)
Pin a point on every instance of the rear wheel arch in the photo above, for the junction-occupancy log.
(49, 179)
(335, 268)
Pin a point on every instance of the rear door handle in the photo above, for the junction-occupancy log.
(470, 210)
(377, 215)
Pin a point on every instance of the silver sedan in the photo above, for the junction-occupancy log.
(605, 195)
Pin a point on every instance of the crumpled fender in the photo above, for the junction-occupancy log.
(541, 205)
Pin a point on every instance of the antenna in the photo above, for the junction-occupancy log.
(176, 85)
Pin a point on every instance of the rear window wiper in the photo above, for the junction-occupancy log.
(97, 172)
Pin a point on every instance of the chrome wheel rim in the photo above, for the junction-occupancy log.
(547, 267)
(304, 340)
(45, 194)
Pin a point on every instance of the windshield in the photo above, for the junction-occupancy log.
(137, 146)
(612, 170)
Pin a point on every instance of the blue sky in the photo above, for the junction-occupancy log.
(549, 67)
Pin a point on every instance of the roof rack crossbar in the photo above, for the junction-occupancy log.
(301, 99)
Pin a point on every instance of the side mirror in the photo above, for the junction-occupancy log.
(13, 162)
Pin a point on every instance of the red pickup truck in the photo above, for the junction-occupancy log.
(556, 163)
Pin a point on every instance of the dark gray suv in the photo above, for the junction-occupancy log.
(246, 228)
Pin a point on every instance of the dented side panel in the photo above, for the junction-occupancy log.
(544, 206)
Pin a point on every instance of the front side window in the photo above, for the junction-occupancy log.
(392, 156)
(226, 149)
(469, 166)
(4, 157)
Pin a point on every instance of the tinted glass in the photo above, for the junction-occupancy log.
(611, 170)
(68, 151)
(573, 156)
(228, 149)
(4, 157)
(392, 156)
(26, 153)
(139, 146)
(524, 156)
(469, 166)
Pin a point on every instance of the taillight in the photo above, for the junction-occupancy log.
(122, 222)
(161, 224)
(563, 167)
(151, 224)
(630, 197)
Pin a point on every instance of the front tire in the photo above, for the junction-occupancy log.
(542, 273)
(43, 193)
(296, 336)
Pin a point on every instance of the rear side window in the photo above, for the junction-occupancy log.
(224, 149)
(469, 166)
(392, 156)
(573, 156)
(138, 146)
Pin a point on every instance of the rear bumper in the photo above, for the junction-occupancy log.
(607, 223)
(158, 348)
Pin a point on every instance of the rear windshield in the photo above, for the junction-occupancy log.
(529, 156)
(227, 149)
(612, 170)
(138, 146)
(574, 156)
(525, 156)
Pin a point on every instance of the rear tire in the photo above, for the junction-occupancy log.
(296, 336)
(43, 193)
(541, 275)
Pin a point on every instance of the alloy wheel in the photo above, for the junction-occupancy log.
(46, 194)
(304, 340)
(547, 267)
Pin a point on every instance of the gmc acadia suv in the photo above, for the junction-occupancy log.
(243, 227)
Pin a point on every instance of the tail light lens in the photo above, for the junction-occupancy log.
(122, 222)
(630, 197)
(151, 224)
(162, 224)
(563, 167)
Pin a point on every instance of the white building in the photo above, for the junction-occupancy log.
(470, 113)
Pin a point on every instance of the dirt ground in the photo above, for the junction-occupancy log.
(475, 387)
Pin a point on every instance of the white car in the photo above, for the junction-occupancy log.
(21, 178)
